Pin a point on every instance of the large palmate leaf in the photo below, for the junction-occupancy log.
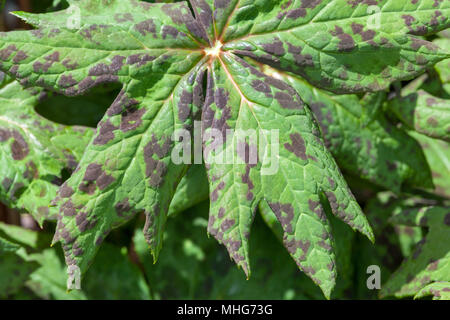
(33, 151)
(430, 261)
(163, 56)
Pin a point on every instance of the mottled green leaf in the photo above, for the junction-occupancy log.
(430, 261)
(439, 291)
(159, 54)
(437, 153)
(393, 243)
(424, 113)
(443, 67)
(33, 152)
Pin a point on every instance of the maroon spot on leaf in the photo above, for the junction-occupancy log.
(204, 13)
(106, 133)
(68, 209)
(184, 105)
(215, 193)
(67, 81)
(140, 59)
(83, 223)
(222, 4)
(69, 64)
(156, 169)
(146, 27)
(121, 103)
(131, 118)
(359, 29)
(31, 171)
(296, 13)
(275, 47)
(6, 53)
(261, 86)
(65, 191)
(77, 251)
(123, 207)
(227, 224)
(20, 56)
(418, 43)
(303, 60)
(19, 147)
(102, 69)
(432, 122)
(37, 33)
(285, 215)
(169, 30)
(346, 42)
(4, 135)
(297, 146)
(316, 207)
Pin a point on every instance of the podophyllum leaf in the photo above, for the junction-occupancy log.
(340, 45)
(33, 152)
(378, 151)
(437, 153)
(241, 98)
(443, 67)
(424, 113)
(393, 243)
(430, 261)
(192, 189)
(439, 291)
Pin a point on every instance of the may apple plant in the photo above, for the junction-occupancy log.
(314, 74)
